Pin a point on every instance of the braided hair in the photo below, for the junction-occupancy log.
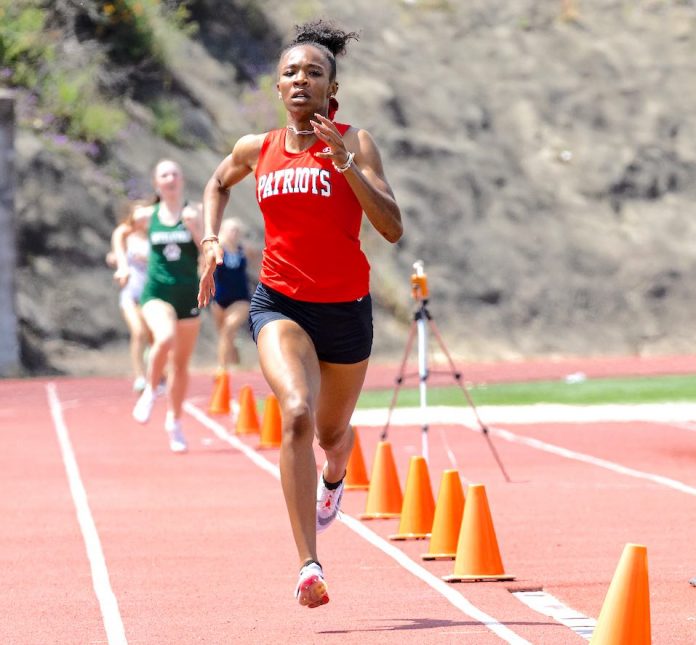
(326, 37)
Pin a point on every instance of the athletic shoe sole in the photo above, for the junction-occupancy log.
(313, 592)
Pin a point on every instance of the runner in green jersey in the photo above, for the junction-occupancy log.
(172, 271)
(169, 300)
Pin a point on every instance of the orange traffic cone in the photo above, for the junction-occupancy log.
(248, 420)
(448, 518)
(625, 615)
(271, 424)
(220, 401)
(384, 499)
(419, 504)
(478, 557)
(356, 475)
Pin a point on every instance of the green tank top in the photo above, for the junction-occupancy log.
(173, 256)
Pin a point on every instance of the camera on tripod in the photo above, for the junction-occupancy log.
(419, 281)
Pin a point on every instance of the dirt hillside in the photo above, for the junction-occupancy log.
(545, 164)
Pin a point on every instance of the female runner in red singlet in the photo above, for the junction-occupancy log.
(311, 314)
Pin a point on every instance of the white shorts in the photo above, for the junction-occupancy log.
(130, 294)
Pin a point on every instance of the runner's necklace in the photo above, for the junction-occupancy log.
(292, 128)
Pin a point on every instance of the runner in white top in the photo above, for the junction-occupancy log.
(130, 274)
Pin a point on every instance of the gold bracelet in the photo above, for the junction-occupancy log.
(209, 238)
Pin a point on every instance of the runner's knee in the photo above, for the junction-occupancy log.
(164, 343)
(332, 437)
(297, 418)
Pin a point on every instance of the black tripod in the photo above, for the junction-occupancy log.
(420, 328)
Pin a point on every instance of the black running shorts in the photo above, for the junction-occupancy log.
(341, 331)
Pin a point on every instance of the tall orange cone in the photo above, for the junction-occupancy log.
(271, 424)
(418, 507)
(248, 420)
(220, 401)
(448, 518)
(478, 556)
(384, 499)
(356, 474)
(625, 615)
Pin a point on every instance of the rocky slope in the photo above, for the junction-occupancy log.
(545, 169)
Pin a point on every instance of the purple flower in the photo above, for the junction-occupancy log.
(92, 150)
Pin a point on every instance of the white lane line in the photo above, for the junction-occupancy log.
(548, 605)
(686, 425)
(666, 413)
(589, 459)
(111, 616)
(450, 453)
(453, 596)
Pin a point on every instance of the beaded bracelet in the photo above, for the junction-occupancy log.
(348, 164)
(210, 238)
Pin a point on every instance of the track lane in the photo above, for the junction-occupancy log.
(620, 508)
(656, 448)
(199, 546)
(561, 524)
(44, 572)
(576, 567)
(361, 530)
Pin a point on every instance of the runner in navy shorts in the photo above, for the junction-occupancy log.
(341, 331)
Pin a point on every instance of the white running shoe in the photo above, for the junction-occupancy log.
(311, 589)
(143, 406)
(177, 441)
(139, 384)
(328, 503)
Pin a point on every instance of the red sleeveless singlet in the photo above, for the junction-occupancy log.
(312, 225)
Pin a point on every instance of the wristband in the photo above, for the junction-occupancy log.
(209, 238)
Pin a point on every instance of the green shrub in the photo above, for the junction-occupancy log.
(136, 30)
(23, 43)
(75, 101)
(126, 26)
(70, 102)
(98, 122)
(168, 121)
(62, 93)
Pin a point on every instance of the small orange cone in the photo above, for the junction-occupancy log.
(419, 504)
(220, 401)
(478, 557)
(356, 474)
(448, 518)
(384, 499)
(625, 615)
(248, 420)
(271, 424)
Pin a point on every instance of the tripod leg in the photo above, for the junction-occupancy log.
(495, 455)
(423, 378)
(456, 374)
(399, 379)
(458, 378)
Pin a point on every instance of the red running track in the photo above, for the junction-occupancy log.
(197, 548)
